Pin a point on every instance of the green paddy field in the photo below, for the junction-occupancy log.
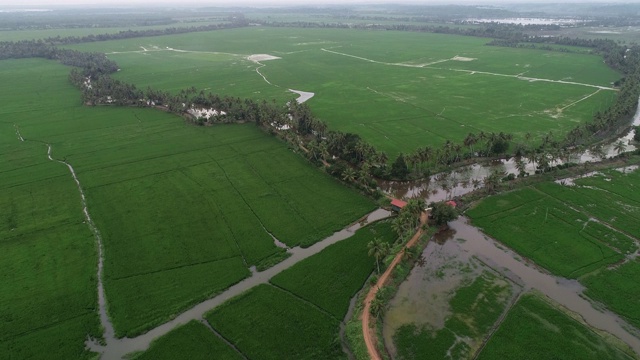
(398, 90)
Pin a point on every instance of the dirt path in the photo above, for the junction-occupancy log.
(471, 72)
(367, 331)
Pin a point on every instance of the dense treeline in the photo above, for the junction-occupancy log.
(128, 34)
(92, 63)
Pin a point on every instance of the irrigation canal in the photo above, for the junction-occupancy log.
(117, 348)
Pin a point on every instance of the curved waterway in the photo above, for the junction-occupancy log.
(411, 304)
(461, 181)
(118, 348)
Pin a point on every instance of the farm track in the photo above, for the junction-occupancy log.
(471, 72)
(368, 333)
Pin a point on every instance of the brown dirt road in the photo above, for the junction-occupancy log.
(367, 331)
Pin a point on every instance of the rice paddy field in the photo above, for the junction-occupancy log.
(297, 315)
(585, 230)
(183, 211)
(533, 321)
(398, 90)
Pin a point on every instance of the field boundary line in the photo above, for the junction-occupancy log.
(590, 215)
(472, 72)
(584, 98)
(245, 202)
(224, 339)
(214, 204)
(172, 268)
(314, 305)
(282, 196)
(497, 324)
(44, 327)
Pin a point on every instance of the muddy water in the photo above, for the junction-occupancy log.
(459, 182)
(475, 244)
(118, 348)
(423, 298)
(105, 322)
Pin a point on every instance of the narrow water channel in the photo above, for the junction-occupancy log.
(412, 304)
(118, 348)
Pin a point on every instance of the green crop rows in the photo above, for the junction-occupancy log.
(269, 323)
(192, 341)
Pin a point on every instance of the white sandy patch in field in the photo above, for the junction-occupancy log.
(304, 95)
(262, 57)
(462, 58)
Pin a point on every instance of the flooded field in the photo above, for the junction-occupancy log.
(458, 259)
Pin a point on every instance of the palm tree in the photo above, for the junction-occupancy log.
(469, 141)
(349, 175)
(521, 166)
(619, 147)
(377, 305)
(598, 151)
(378, 249)
(415, 206)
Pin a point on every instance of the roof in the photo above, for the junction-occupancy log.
(451, 203)
(398, 203)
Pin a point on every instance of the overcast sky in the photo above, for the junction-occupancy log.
(47, 3)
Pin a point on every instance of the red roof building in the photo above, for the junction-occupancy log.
(451, 203)
(397, 204)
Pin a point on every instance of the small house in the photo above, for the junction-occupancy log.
(451, 203)
(397, 204)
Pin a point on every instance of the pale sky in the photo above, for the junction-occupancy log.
(130, 3)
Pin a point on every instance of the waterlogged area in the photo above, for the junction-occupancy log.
(424, 298)
(459, 257)
(529, 21)
(463, 180)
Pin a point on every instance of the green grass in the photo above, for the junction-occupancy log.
(268, 323)
(190, 341)
(475, 308)
(535, 330)
(331, 278)
(182, 209)
(396, 108)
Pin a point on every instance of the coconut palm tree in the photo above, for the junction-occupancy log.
(349, 175)
(619, 147)
(379, 250)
